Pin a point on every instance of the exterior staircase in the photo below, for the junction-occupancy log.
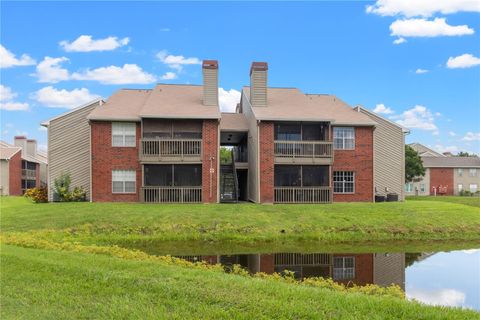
(228, 181)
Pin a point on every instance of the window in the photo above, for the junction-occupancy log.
(460, 172)
(123, 134)
(408, 187)
(343, 182)
(344, 138)
(307, 131)
(168, 175)
(460, 187)
(422, 187)
(288, 132)
(124, 181)
(473, 172)
(343, 268)
(473, 187)
(288, 176)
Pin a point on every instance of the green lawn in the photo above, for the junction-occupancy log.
(469, 201)
(109, 223)
(41, 284)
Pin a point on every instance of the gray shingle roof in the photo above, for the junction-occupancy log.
(451, 162)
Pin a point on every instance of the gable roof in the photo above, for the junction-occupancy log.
(7, 151)
(163, 101)
(376, 115)
(47, 122)
(451, 162)
(290, 104)
(424, 151)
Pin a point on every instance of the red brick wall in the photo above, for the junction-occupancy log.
(267, 160)
(210, 145)
(360, 161)
(363, 268)
(15, 175)
(106, 158)
(441, 177)
(267, 263)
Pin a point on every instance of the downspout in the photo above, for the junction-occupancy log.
(258, 161)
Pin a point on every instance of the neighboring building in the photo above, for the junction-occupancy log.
(22, 166)
(163, 145)
(445, 175)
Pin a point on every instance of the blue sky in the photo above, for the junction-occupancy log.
(57, 55)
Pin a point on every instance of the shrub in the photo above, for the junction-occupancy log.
(61, 189)
(37, 195)
(466, 193)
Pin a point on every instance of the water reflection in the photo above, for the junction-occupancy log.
(383, 269)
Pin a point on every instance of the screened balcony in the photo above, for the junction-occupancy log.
(303, 143)
(302, 184)
(171, 140)
(171, 183)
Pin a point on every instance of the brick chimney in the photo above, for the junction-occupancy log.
(210, 82)
(32, 147)
(258, 84)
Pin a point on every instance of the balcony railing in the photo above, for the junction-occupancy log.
(29, 173)
(171, 194)
(302, 194)
(168, 149)
(303, 149)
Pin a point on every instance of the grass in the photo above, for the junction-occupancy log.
(42, 284)
(469, 201)
(134, 223)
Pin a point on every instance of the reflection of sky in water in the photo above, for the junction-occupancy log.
(446, 278)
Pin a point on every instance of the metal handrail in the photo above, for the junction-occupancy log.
(302, 194)
(162, 194)
(303, 149)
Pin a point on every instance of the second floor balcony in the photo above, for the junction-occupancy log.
(161, 150)
(29, 174)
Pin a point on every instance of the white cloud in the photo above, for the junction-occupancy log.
(381, 108)
(466, 60)
(472, 136)
(176, 62)
(442, 297)
(471, 251)
(421, 71)
(85, 43)
(50, 71)
(441, 148)
(399, 40)
(8, 59)
(424, 8)
(451, 134)
(169, 76)
(53, 98)
(418, 117)
(41, 128)
(128, 74)
(427, 28)
(165, 29)
(228, 99)
(6, 100)
(6, 93)
(14, 106)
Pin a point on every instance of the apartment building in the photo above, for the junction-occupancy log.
(444, 174)
(283, 146)
(22, 166)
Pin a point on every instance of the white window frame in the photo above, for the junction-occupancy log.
(344, 134)
(124, 176)
(124, 130)
(460, 172)
(344, 182)
(408, 187)
(476, 187)
(422, 187)
(344, 273)
(460, 187)
(472, 172)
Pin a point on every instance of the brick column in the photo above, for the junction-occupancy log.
(15, 175)
(210, 145)
(267, 166)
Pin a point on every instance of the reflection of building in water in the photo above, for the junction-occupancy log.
(369, 268)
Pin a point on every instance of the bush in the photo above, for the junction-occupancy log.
(466, 193)
(61, 189)
(37, 195)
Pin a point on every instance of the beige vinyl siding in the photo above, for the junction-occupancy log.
(210, 87)
(4, 178)
(389, 268)
(417, 185)
(69, 148)
(389, 156)
(252, 149)
(258, 91)
(466, 180)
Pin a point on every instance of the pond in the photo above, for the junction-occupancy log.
(440, 277)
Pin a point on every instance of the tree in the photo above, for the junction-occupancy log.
(466, 154)
(413, 164)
